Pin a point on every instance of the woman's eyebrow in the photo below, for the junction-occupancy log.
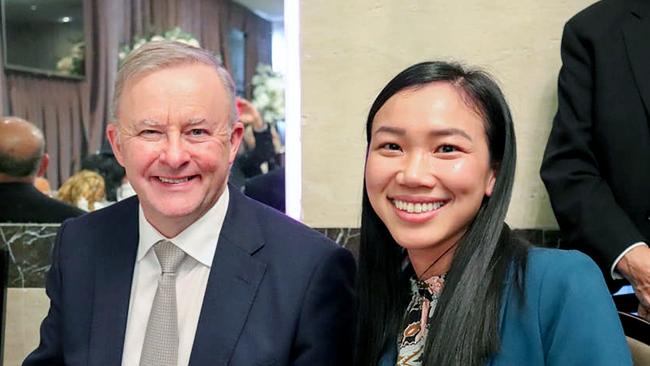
(391, 130)
(451, 131)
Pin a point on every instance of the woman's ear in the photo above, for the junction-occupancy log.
(489, 185)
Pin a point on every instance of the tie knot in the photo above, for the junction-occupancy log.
(169, 255)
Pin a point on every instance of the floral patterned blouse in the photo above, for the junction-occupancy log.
(424, 297)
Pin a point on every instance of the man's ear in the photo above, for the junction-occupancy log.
(42, 166)
(236, 135)
(113, 135)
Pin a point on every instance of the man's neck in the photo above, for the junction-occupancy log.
(4, 178)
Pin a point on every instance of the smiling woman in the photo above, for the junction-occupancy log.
(428, 149)
(441, 279)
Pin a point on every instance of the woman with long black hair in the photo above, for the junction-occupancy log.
(442, 281)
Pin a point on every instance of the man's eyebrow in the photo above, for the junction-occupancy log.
(196, 121)
(148, 122)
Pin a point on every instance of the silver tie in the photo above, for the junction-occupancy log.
(161, 339)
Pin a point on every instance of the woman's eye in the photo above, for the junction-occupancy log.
(391, 146)
(447, 149)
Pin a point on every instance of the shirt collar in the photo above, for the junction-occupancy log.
(199, 240)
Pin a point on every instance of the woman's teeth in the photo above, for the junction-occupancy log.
(411, 207)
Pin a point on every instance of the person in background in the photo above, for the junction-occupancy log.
(107, 166)
(125, 190)
(596, 162)
(268, 188)
(22, 160)
(442, 279)
(85, 189)
(260, 150)
(190, 272)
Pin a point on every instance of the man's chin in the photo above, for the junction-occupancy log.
(172, 210)
(177, 212)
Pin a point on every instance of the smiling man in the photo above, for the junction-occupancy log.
(190, 272)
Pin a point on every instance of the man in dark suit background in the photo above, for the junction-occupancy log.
(596, 165)
(241, 284)
(22, 159)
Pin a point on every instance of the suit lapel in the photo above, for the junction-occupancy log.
(234, 278)
(115, 259)
(637, 41)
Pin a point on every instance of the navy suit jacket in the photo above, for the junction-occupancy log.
(278, 293)
(567, 317)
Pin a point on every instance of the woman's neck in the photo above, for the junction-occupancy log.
(422, 260)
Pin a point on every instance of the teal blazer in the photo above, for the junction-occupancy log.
(568, 317)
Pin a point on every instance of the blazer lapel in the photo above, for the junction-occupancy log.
(116, 254)
(637, 41)
(232, 285)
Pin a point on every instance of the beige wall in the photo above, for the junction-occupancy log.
(26, 309)
(350, 49)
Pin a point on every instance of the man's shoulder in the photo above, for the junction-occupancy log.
(282, 232)
(601, 15)
(112, 217)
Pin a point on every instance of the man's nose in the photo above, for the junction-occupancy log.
(174, 153)
(417, 171)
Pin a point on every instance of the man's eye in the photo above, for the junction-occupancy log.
(198, 132)
(447, 149)
(148, 132)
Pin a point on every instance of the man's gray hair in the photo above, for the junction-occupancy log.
(154, 56)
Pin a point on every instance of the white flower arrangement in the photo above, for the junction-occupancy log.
(268, 93)
(175, 34)
(74, 62)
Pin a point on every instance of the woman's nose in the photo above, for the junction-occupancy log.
(416, 171)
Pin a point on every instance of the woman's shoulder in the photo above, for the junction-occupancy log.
(564, 292)
(541, 258)
(560, 270)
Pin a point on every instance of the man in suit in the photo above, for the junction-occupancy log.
(241, 284)
(22, 159)
(596, 164)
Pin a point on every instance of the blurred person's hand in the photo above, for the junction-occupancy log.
(249, 115)
(635, 266)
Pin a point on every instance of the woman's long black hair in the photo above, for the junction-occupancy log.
(465, 326)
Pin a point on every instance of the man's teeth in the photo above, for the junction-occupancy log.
(174, 181)
(411, 207)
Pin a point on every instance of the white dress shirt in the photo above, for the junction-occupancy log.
(199, 242)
